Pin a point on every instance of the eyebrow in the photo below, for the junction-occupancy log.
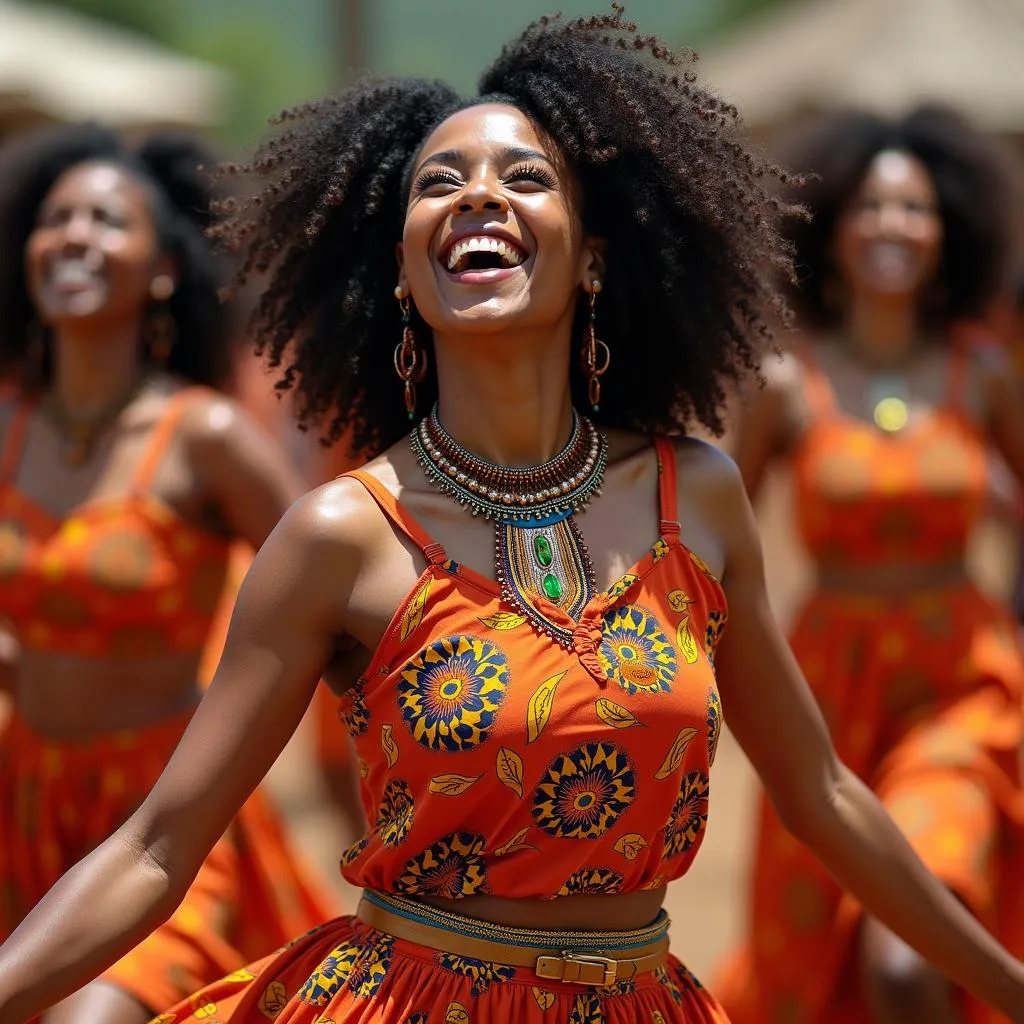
(510, 154)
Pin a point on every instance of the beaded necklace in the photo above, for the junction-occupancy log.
(539, 554)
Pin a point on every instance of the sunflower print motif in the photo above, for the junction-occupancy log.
(395, 814)
(452, 867)
(619, 988)
(635, 652)
(669, 982)
(584, 791)
(714, 723)
(480, 972)
(591, 881)
(355, 851)
(689, 814)
(417, 1018)
(713, 633)
(450, 693)
(326, 981)
(354, 714)
(587, 1009)
(370, 969)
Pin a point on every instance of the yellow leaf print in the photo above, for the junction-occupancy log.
(389, 745)
(273, 1000)
(414, 613)
(545, 1000)
(510, 770)
(657, 1017)
(456, 1014)
(614, 714)
(204, 1008)
(679, 600)
(452, 785)
(504, 620)
(703, 566)
(539, 710)
(364, 768)
(325, 1020)
(515, 844)
(164, 1018)
(655, 883)
(630, 845)
(686, 643)
(243, 975)
(674, 758)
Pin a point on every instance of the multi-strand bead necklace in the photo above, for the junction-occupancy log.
(538, 550)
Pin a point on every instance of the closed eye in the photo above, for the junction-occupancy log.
(436, 176)
(531, 172)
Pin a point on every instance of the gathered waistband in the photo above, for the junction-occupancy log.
(580, 957)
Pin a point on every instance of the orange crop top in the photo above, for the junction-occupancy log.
(864, 497)
(118, 577)
(495, 760)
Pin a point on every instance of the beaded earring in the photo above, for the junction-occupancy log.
(593, 365)
(410, 360)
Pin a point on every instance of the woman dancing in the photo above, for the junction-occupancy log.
(124, 478)
(887, 414)
(582, 261)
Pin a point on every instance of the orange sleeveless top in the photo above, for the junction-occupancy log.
(118, 577)
(865, 497)
(496, 760)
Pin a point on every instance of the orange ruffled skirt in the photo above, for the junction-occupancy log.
(346, 972)
(923, 698)
(58, 800)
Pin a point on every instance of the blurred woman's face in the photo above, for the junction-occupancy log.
(888, 238)
(94, 250)
(492, 236)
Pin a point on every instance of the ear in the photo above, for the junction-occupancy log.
(592, 261)
(400, 258)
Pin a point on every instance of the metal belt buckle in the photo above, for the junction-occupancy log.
(577, 968)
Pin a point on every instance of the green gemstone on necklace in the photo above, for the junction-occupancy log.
(552, 587)
(542, 549)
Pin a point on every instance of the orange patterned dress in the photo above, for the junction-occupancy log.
(127, 578)
(497, 760)
(922, 694)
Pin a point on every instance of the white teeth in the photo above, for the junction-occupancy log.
(71, 272)
(510, 255)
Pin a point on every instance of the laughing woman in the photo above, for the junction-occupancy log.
(124, 479)
(540, 576)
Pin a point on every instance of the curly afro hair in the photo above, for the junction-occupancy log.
(168, 165)
(971, 178)
(688, 214)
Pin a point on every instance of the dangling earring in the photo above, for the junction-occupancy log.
(160, 335)
(591, 367)
(410, 360)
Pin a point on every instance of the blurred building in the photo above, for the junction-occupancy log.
(56, 65)
(803, 56)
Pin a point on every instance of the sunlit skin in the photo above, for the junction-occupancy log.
(335, 569)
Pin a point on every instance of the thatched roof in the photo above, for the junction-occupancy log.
(883, 54)
(56, 65)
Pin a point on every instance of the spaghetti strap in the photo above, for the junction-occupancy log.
(818, 390)
(15, 441)
(162, 434)
(667, 494)
(399, 516)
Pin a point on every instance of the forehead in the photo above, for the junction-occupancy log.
(487, 126)
(98, 181)
(896, 169)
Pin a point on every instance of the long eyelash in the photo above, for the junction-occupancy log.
(532, 172)
(436, 176)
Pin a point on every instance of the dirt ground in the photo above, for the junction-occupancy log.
(711, 898)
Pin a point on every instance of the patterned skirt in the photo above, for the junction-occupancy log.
(58, 800)
(923, 699)
(346, 972)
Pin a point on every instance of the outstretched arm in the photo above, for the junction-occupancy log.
(289, 610)
(776, 720)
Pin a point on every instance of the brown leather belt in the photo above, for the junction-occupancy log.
(590, 967)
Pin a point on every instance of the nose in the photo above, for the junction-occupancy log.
(892, 219)
(479, 196)
(78, 230)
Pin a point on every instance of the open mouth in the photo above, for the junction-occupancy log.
(482, 253)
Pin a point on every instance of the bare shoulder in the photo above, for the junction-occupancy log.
(215, 420)
(705, 468)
